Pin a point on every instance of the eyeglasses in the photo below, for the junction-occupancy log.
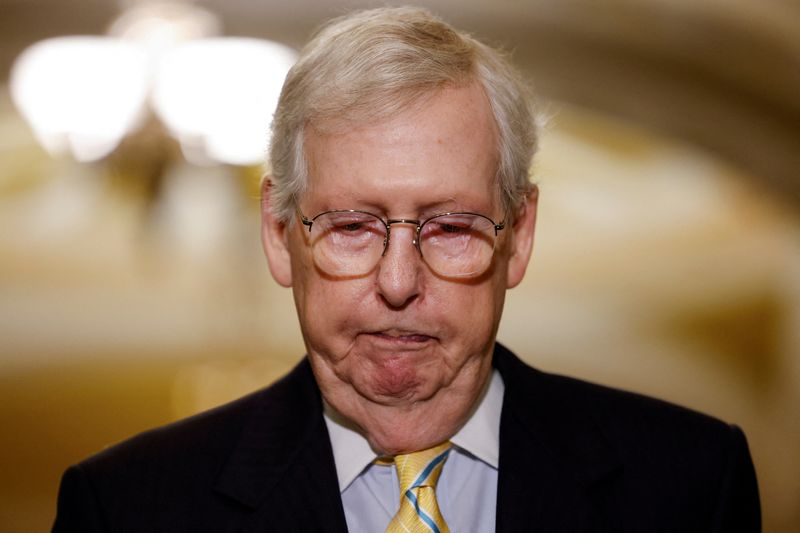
(346, 242)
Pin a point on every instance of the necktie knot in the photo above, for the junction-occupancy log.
(419, 473)
(422, 468)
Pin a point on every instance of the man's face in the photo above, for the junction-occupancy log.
(402, 352)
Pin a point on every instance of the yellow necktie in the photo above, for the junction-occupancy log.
(419, 472)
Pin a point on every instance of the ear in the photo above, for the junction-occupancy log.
(275, 239)
(522, 239)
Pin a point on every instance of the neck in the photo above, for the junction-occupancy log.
(392, 430)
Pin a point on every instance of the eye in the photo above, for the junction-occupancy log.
(352, 226)
(347, 222)
(451, 228)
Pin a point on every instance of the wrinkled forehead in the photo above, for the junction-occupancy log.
(442, 146)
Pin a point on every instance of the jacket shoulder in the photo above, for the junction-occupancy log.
(668, 463)
(617, 411)
(158, 475)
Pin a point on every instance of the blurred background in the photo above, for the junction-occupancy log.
(133, 290)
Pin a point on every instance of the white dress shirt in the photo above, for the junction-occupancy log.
(467, 488)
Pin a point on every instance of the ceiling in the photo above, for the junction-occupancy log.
(722, 74)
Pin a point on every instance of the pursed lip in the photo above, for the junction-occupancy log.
(400, 336)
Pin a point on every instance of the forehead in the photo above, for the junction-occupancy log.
(441, 152)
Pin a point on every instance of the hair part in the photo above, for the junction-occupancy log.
(373, 64)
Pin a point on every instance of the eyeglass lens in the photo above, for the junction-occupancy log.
(352, 242)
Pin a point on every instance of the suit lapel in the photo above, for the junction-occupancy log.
(282, 469)
(557, 471)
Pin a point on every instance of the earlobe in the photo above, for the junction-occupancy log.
(275, 239)
(522, 240)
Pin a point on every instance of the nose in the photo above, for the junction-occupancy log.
(399, 276)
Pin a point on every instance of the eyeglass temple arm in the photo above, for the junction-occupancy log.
(306, 222)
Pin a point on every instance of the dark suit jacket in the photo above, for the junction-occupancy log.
(573, 457)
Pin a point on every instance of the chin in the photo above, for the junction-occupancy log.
(401, 376)
(393, 387)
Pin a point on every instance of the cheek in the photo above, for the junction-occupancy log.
(330, 311)
(472, 312)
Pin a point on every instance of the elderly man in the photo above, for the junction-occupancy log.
(399, 211)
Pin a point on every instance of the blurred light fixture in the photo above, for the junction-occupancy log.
(217, 96)
(80, 95)
(161, 25)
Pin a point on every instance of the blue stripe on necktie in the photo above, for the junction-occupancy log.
(429, 522)
(422, 514)
(428, 469)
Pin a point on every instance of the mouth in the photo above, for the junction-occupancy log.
(401, 337)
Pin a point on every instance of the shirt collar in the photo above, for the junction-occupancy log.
(480, 436)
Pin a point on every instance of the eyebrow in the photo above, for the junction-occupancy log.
(423, 212)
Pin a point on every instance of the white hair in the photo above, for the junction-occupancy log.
(372, 64)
